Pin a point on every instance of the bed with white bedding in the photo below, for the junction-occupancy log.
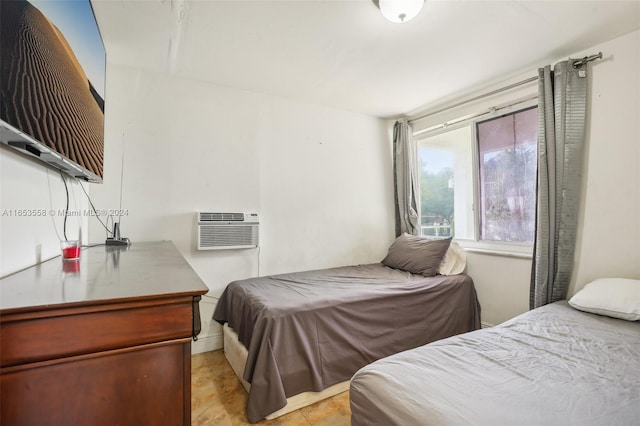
(554, 365)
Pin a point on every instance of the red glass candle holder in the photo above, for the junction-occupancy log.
(70, 250)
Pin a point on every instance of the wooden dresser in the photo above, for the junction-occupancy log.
(105, 341)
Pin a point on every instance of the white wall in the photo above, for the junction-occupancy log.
(320, 178)
(326, 194)
(28, 187)
(608, 242)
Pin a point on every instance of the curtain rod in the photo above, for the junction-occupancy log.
(583, 61)
(576, 64)
(466, 101)
(473, 115)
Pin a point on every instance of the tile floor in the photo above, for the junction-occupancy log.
(218, 398)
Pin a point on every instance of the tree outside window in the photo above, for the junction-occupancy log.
(436, 191)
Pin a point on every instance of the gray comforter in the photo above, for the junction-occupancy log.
(551, 366)
(307, 331)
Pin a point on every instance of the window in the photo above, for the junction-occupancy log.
(507, 153)
(490, 164)
(446, 184)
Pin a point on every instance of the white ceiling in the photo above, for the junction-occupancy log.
(344, 54)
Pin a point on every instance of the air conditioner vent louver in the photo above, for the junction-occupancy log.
(218, 231)
(226, 236)
(222, 217)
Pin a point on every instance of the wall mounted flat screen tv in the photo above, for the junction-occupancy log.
(52, 79)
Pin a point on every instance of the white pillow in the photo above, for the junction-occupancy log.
(454, 261)
(613, 297)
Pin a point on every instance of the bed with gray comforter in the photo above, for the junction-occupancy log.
(307, 331)
(551, 366)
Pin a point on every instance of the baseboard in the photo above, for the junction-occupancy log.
(207, 344)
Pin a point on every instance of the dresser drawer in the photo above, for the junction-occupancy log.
(144, 385)
(59, 333)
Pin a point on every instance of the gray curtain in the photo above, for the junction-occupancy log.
(405, 178)
(561, 123)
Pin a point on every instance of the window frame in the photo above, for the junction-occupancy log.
(501, 248)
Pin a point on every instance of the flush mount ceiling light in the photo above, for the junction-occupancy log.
(399, 11)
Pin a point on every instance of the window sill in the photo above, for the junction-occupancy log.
(518, 251)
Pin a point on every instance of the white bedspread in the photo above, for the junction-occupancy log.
(551, 366)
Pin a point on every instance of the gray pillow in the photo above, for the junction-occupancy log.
(417, 255)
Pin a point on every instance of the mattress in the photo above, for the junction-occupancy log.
(308, 331)
(550, 366)
(236, 354)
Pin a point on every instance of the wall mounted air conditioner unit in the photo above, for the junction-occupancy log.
(220, 231)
